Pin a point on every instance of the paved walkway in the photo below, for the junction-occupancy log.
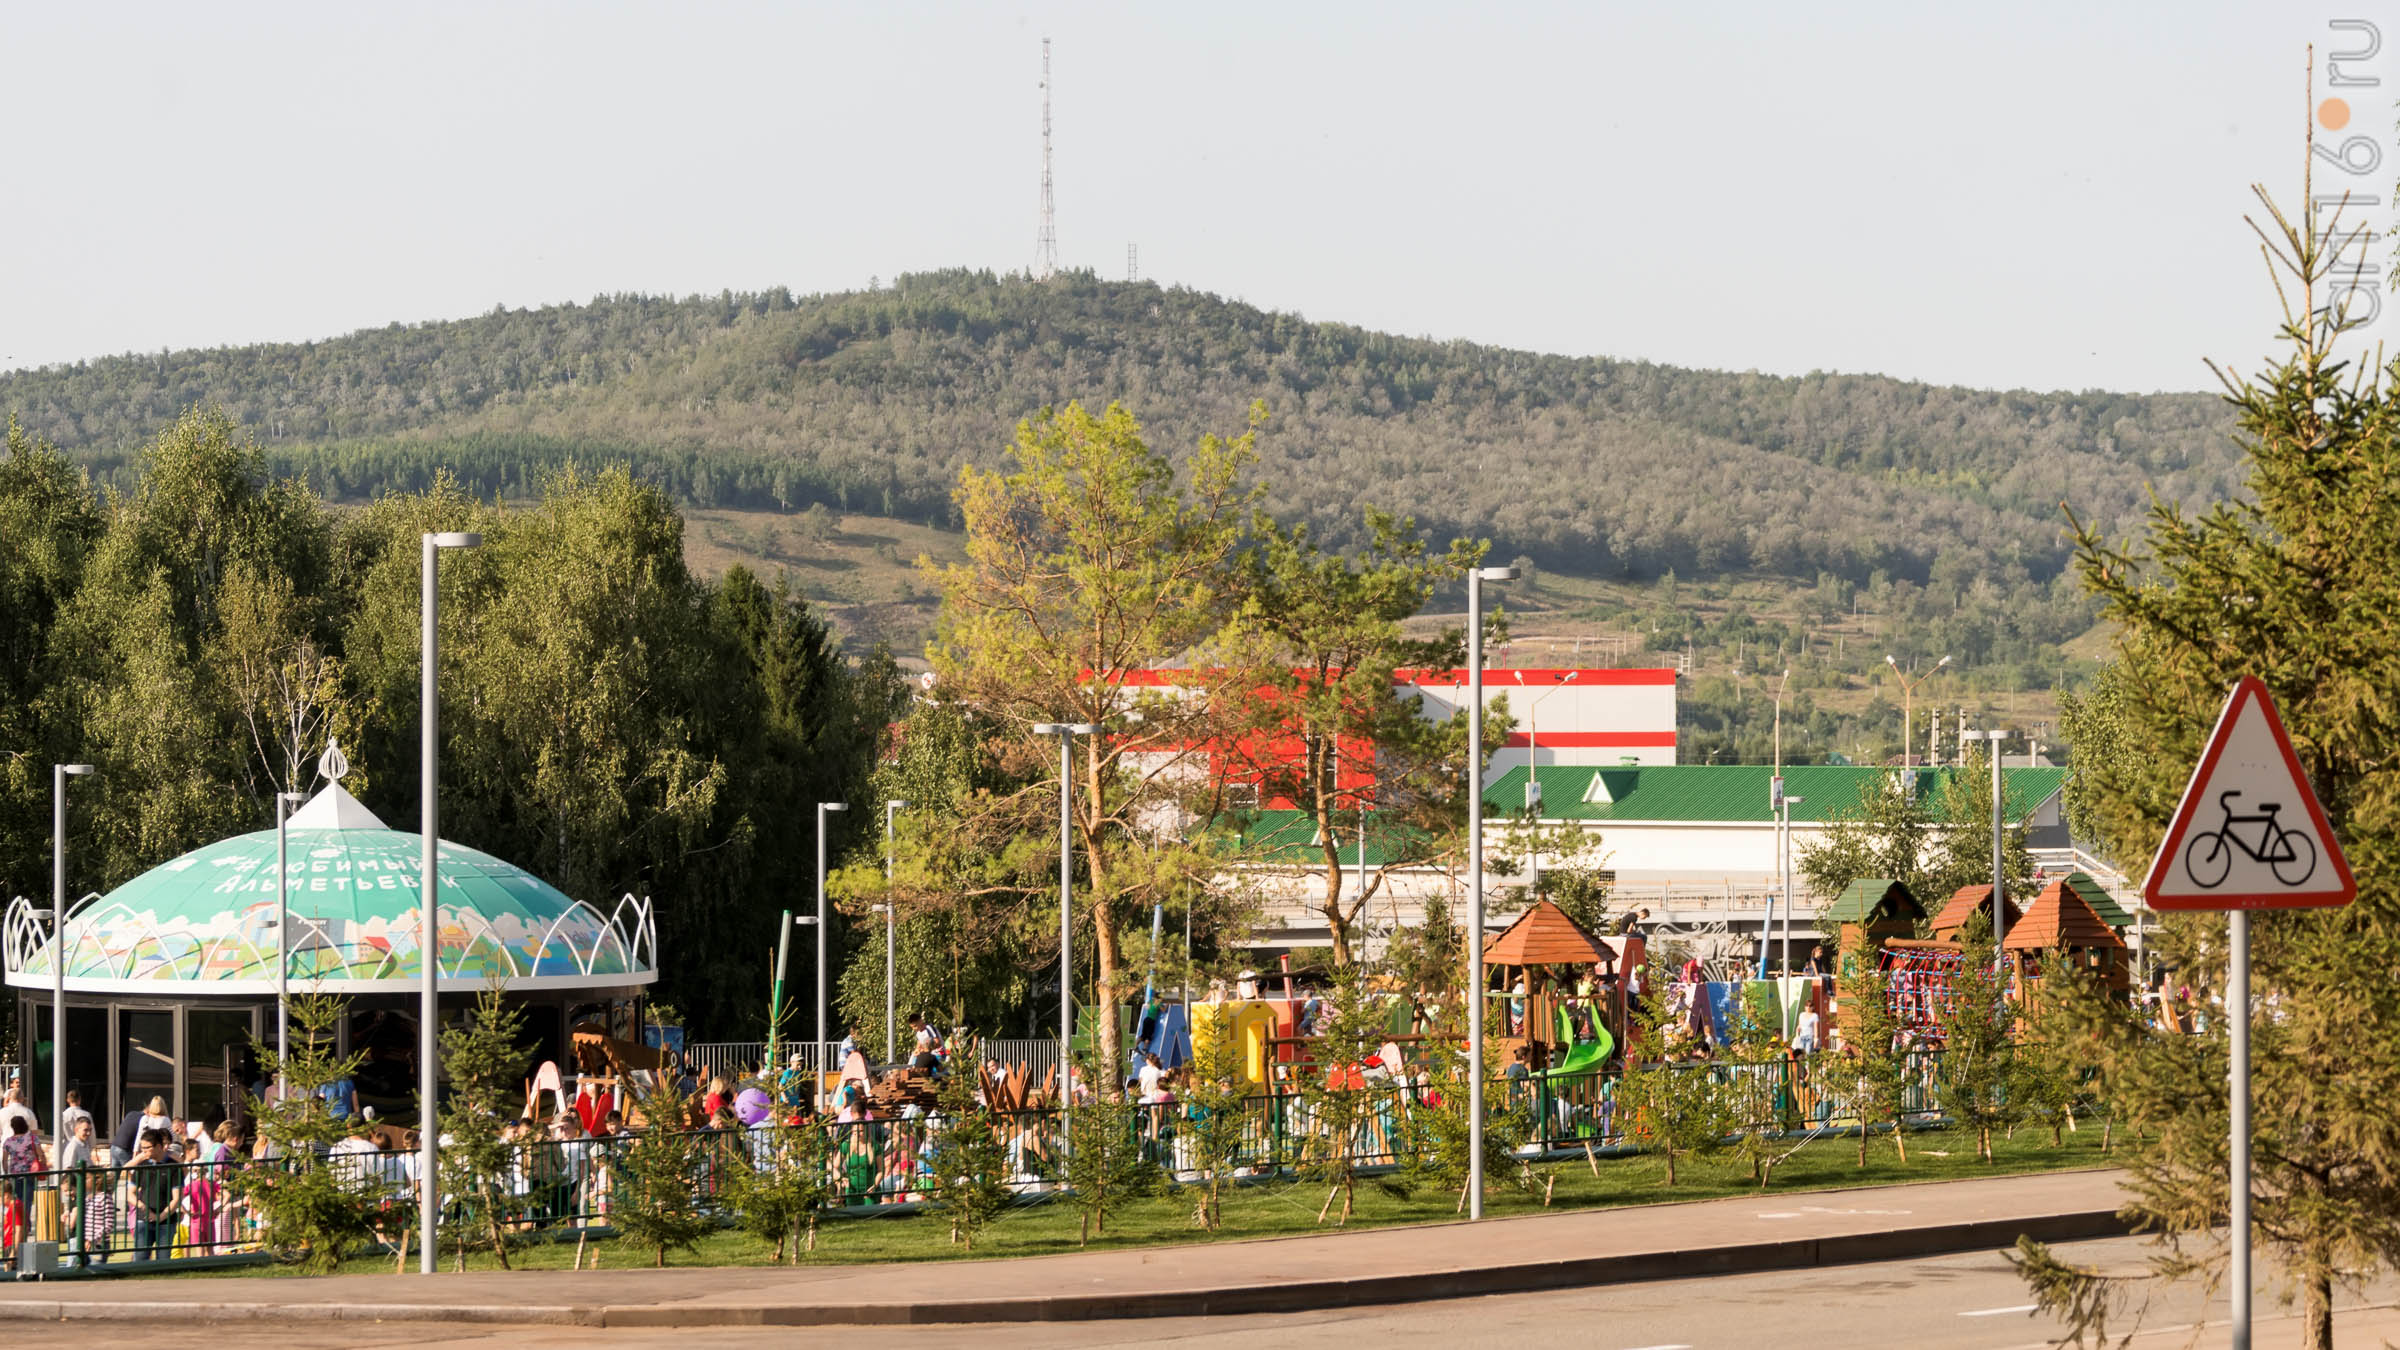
(1387, 1265)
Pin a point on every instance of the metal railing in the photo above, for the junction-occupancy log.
(149, 1213)
(743, 1059)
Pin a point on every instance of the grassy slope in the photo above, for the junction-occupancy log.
(863, 573)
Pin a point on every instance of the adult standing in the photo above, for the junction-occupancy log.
(14, 1109)
(73, 1113)
(156, 1194)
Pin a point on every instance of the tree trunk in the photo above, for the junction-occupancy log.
(1337, 924)
(2316, 1327)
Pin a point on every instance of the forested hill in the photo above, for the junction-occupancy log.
(871, 401)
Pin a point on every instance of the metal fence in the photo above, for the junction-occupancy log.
(743, 1059)
(147, 1213)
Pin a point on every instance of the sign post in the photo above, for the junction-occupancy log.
(2233, 847)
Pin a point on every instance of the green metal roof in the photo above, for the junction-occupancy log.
(1732, 793)
(1858, 901)
(1290, 837)
(2094, 894)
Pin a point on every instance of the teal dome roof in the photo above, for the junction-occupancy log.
(207, 920)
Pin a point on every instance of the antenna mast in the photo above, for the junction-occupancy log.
(1045, 245)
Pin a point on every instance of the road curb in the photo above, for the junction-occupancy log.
(1298, 1296)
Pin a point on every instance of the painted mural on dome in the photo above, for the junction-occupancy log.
(210, 917)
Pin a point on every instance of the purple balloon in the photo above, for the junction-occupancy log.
(752, 1106)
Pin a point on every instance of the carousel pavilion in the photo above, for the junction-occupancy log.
(171, 983)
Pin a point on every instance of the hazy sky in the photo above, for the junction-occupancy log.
(2048, 195)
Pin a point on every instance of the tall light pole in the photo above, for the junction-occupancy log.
(1788, 803)
(284, 802)
(1066, 733)
(429, 900)
(824, 1004)
(1992, 740)
(1475, 579)
(59, 774)
(1908, 696)
(891, 932)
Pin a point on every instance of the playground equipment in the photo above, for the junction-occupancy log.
(1541, 944)
(1582, 1055)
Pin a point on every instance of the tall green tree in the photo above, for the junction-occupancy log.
(1320, 724)
(1092, 558)
(2293, 584)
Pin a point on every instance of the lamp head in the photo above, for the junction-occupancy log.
(897, 804)
(1496, 574)
(1887, 660)
(76, 770)
(455, 539)
(833, 806)
(1941, 663)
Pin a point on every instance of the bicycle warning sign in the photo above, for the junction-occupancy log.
(2249, 833)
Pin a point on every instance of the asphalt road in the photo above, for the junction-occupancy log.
(1973, 1301)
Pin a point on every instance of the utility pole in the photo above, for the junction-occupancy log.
(1908, 695)
(1045, 243)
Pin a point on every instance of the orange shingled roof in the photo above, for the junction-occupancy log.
(1965, 901)
(1545, 936)
(2060, 918)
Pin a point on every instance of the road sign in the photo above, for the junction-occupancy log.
(2249, 833)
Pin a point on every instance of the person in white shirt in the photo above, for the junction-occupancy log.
(1806, 1033)
(13, 1109)
(74, 1112)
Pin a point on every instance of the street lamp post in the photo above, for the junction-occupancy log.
(1475, 579)
(891, 932)
(824, 1004)
(1066, 733)
(1908, 696)
(59, 774)
(429, 897)
(284, 801)
(1992, 740)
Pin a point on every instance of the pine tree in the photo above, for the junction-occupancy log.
(1341, 1114)
(483, 1057)
(2294, 584)
(1108, 1162)
(1215, 1128)
(785, 1184)
(655, 1205)
(1872, 1052)
(970, 1155)
(315, 1215)
(1672, 1110)
(1973, 1081)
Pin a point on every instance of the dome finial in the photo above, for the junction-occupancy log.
(333, 763)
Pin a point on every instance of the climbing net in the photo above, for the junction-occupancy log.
(1922, 984)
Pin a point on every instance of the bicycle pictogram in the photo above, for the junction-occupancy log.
(2290, 854)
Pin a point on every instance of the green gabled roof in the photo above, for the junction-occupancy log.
(2092, 893)
(1858, 901)
(1291, 837)
(1730, 793)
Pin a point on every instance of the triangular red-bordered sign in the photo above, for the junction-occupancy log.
(2249, 833)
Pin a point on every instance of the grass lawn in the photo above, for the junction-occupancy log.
(1286, 1208)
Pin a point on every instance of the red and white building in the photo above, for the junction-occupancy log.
(1593, 717)
(1603, 717)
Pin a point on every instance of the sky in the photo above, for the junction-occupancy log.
(2035, 195)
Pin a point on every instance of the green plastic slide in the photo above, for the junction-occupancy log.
(1583, 1056)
